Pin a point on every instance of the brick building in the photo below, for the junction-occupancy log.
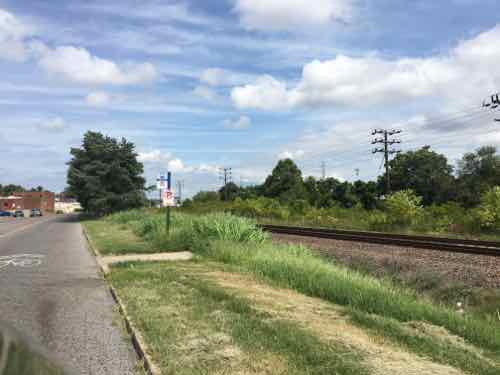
(44, 200)
(11, 203)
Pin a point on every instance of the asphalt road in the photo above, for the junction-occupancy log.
(51, 291)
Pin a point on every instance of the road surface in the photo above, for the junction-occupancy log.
(51, 291)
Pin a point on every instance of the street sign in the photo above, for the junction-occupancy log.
(162, 182)
(168, 198)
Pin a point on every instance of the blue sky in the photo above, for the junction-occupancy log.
(199, 85)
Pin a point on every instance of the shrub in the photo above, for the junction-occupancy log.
(404, 207)
(378, 220)
(488, 212)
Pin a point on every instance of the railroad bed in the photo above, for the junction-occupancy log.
(454, 245)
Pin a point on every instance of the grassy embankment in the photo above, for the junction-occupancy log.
(190, 301)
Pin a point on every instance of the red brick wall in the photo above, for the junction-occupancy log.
(44, 200)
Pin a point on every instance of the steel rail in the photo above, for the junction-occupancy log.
(423, 242)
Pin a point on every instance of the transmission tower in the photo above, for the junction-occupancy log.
(387, 150)
(323, 169)
(492, 103)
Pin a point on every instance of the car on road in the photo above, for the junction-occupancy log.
(36, 212)
(4, 213)
(18, 213)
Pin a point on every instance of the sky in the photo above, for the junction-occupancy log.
(203, 85)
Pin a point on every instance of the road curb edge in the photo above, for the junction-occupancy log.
(137, 341)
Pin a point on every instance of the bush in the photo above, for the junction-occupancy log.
(488, 212)
(404, 207)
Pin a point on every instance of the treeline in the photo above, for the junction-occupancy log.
(6, 190)
(427, 173)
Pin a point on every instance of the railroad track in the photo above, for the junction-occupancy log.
(421, 242)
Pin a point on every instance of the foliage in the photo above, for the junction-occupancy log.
(404, 207)
(425, 172)
(206, 196)
(488, 212)
(229, 191)
(105, 176)
(285, 182)
(6, 190)
(477, 172)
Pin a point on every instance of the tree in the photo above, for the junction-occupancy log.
(285, 182)
(366, 193)
(6, 190)
(105, 176)
(425, 172)
(206, 196)
(477, 172)
(229, 191)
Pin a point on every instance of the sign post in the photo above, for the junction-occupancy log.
(169, 186)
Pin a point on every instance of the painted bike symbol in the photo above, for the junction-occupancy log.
(21, 260)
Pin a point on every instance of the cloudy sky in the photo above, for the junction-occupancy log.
(198, 85)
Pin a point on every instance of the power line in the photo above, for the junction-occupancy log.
(387, 142)
(492, 103)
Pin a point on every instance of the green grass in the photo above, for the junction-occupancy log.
(436, 348)
(116, 239)
(297, 268)
(191, 324)
(238, 242)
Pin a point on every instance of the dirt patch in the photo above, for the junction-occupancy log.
(329, 322)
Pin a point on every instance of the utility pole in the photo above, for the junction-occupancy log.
(323, 169)
(226, 174)
(492, 103)
(387, 142)
(180, 185)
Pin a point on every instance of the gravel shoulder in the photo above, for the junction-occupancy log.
(471, 270)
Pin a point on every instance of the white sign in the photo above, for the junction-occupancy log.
(162, 182)
(168, 198)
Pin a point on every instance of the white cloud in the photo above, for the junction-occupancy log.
(468, 69)
(243, 122)
(176, 165)
(213, 76)
(207, 168)
(291, 15)
(13, 34)
(154, 156)
(297, 155)
(77, 64)
(55, 124)
(266, 93)
(205, 92)
(98, 99)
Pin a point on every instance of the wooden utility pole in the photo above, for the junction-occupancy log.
(387, 142)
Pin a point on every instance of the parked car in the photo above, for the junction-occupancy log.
(18, 213)
(36, 212)
(4, 213)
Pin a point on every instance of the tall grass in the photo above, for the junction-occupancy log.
(296, 267)
(238, 241)
(187, 229)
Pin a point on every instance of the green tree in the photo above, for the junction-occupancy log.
(6, 190)
(285, 182)
(366, 193)
(206, 196)
(105, 176)
(477, 172)
(229, 191)
(425, 172)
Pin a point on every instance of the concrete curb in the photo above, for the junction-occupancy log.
(137, 340)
